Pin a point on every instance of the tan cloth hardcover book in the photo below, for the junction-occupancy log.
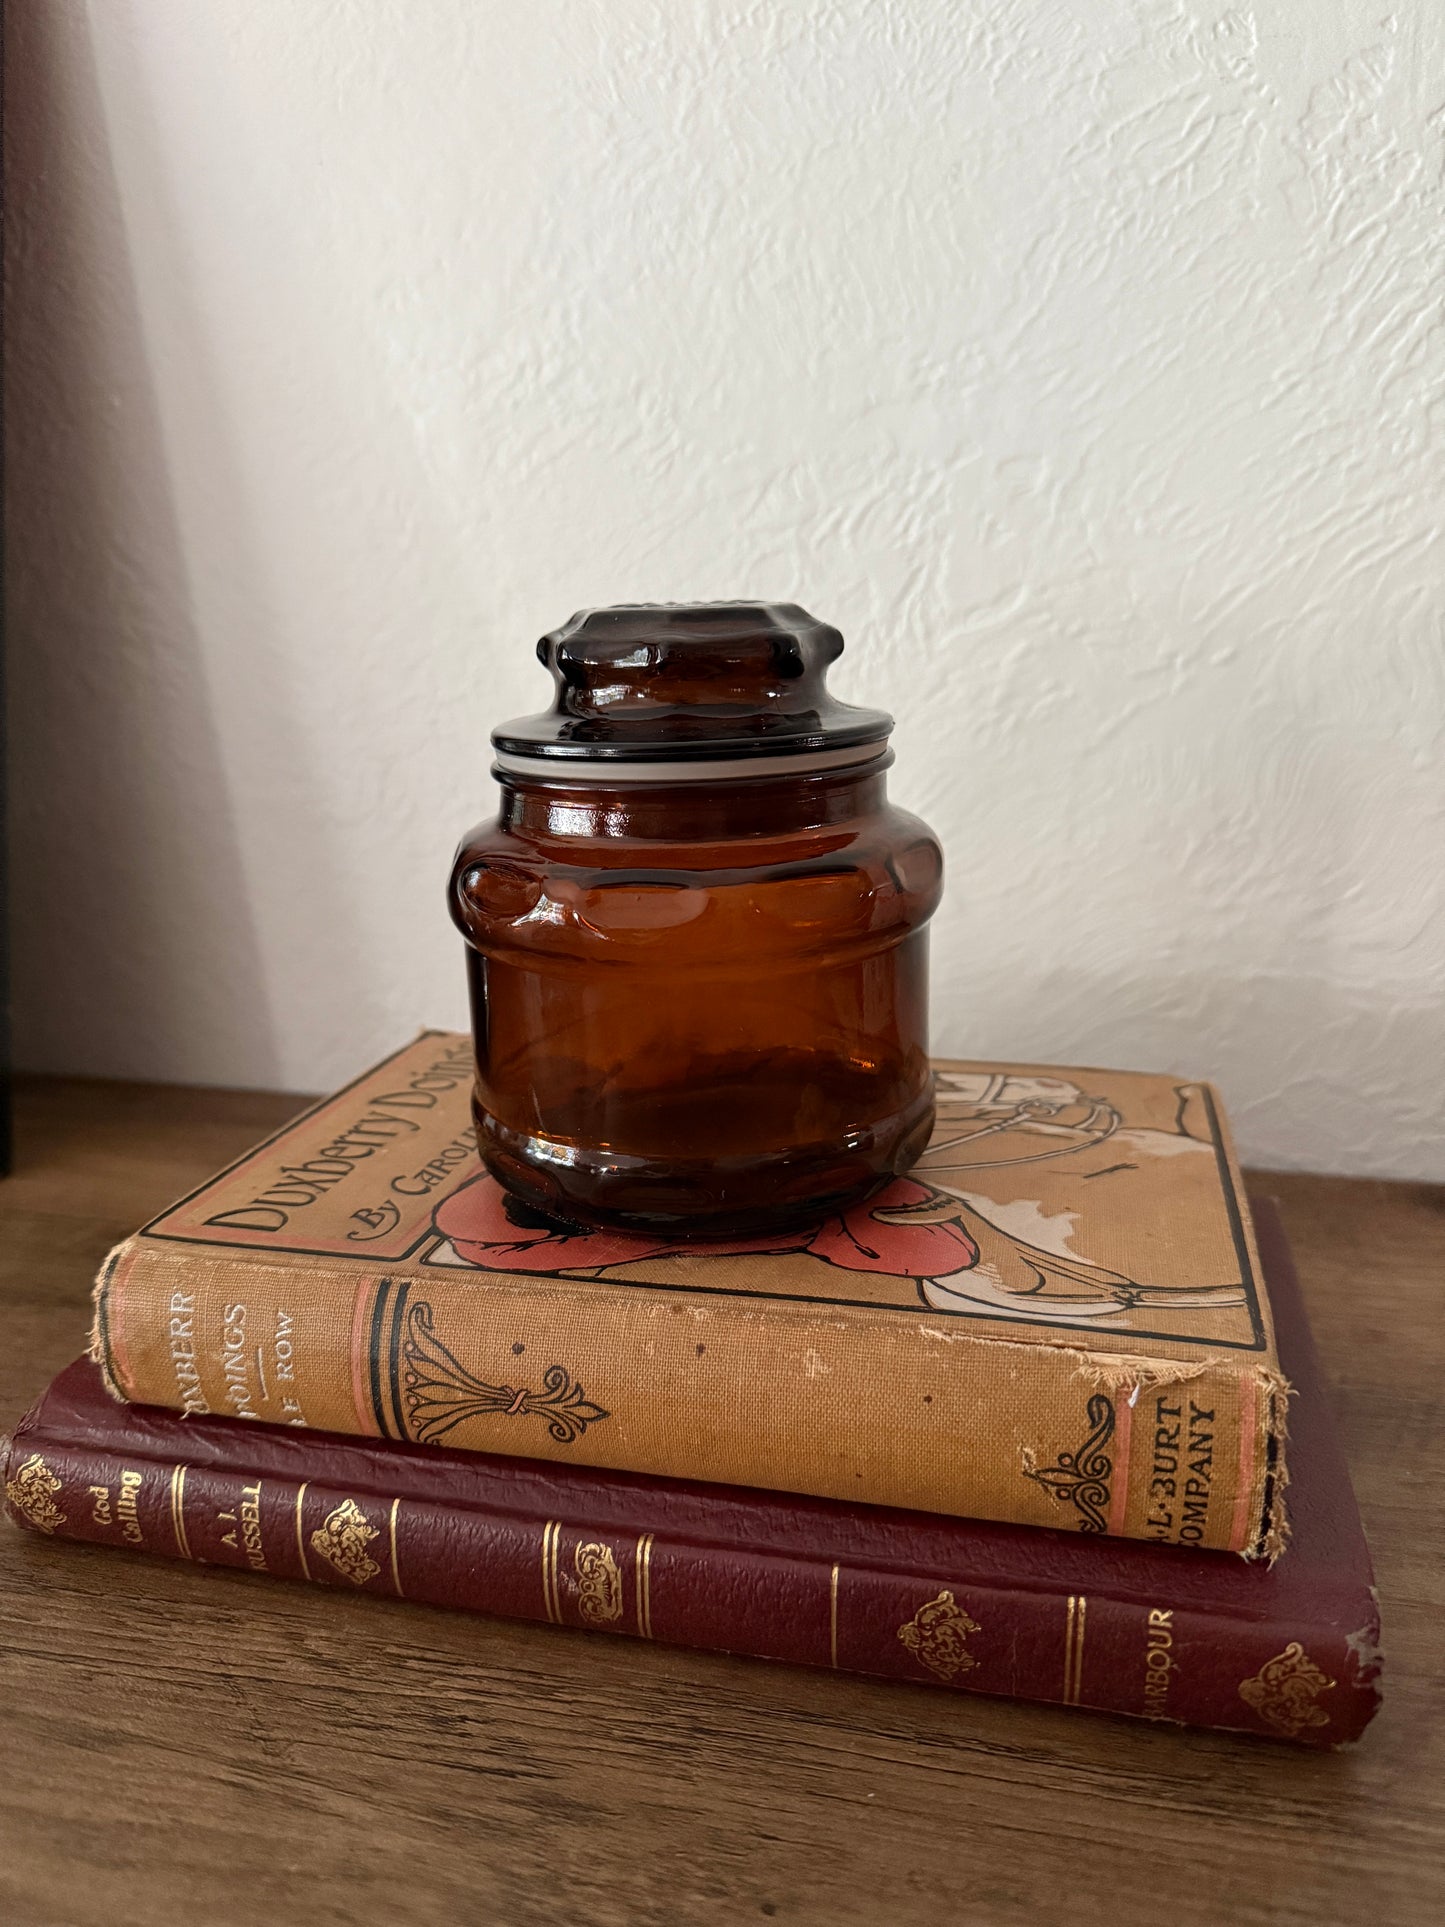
(1058, 1317)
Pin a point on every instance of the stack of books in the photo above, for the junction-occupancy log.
(1016, 1425)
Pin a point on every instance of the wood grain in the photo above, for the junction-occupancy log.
(197, 1746)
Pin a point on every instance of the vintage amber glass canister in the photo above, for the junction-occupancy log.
(696, 933)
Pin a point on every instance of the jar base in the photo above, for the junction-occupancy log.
(701, 1199)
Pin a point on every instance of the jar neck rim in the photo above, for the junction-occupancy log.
(863, 759)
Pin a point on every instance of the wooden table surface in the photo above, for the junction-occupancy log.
(204, 1747)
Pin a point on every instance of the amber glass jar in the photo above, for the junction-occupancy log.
(695, 933)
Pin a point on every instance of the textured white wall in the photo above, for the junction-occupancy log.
(1080, 359)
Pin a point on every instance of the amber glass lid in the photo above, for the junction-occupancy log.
(672, 682)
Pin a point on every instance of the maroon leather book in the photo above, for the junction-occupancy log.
(1085, 1620)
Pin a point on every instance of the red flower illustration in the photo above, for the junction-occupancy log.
(474, 1220)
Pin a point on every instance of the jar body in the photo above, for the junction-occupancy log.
(699, 1008)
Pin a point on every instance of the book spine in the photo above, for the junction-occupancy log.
(718, 1387)
(1149, 1660)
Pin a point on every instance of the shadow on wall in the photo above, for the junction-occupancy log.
(136, 952)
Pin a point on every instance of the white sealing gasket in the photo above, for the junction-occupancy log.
(618, 770)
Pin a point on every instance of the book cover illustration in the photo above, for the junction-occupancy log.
(1100, 1201)
(992, 1222)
